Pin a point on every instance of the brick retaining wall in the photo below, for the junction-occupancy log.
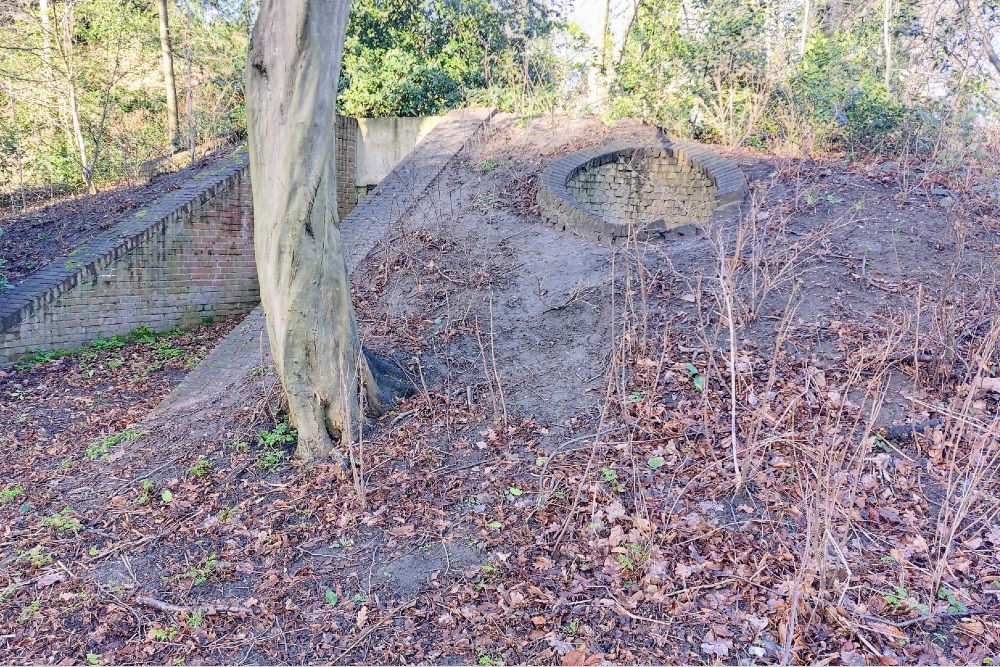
(186, 256)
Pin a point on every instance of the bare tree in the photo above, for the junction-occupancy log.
(168, 74)
(291, 88)
(887, 41)
(17, 143)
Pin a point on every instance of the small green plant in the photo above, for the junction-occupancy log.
(72, 264)
(30, 610)
(10, 493)
(196, 619)
(100, 450)
(636, 555)
(113, 343)
(203, 571)
(146, 494)
(142, 335)
(696, 378)
(331, 597)
(489, 166)
(572, 628)
(94, 659)
(226, 515)
(35, 357)
(201, 467)
(610, 477)
(487, 660)
(900, 599)
(163, 635)
(64, 521)
(954, 605)
(164, 350)
(37, 557)
(272, 453)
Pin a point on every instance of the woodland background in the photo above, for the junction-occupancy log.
(83, 100)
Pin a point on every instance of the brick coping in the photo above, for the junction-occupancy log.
(90, 258)
(559, 208)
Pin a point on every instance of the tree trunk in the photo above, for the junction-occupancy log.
(168, 75)
(804, 39)
(17, 144)
(291, 87)
(987, 36)
(887, 40)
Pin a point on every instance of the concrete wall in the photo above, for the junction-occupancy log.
(382, 143)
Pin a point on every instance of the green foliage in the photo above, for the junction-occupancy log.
(36, 357)
(209, 566)
(201, 468)
(10, 493)
(38, 557)
(272, 453)
(64, 521)
(112, 343)
(720, 71)
(423, 57)
(142, 334)
(100, 449)
(147, 492)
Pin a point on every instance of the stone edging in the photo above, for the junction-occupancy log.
(561, 210)
(88, 260)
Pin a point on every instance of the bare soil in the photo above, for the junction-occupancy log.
(565, 488)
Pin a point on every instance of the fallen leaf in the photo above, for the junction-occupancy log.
(719, 648)
(51, 578)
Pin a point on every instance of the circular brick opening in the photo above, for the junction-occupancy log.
(613, 191)
(639, 186)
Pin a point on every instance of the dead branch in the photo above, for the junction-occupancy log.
(207, 610)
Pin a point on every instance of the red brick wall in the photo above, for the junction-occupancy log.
(196, 262)
(187, 256)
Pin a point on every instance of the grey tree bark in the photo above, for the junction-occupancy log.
(167, 55)
(291, 87)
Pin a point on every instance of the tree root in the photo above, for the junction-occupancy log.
(391, 382)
